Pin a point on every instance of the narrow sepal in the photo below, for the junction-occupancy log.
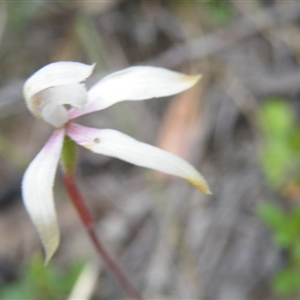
(116, 144)
(135, 83)
(37, 191)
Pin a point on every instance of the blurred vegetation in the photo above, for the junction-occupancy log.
(40, 282)
(20, 13)
(285, 227)
(280, 159)
(221, 11)
(280, 154)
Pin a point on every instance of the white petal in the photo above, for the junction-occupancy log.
(74, 94)
(53, 75)
(37, 190)
(116, 144)
(56, 116)
(50, 104)
(135, 83)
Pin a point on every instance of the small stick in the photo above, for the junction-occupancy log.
(88, 223)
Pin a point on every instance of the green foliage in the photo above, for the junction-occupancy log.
(277, 117)
(286, 281)
(221, 11)
(285, 227)
(218, 12)
(280, 160)
(40, 282)
(280, 157)
(20, 12)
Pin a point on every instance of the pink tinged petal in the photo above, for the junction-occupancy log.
(55, 75)
(116, 144)
(37, 190)
(135, 83)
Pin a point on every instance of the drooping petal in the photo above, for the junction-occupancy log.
(37, 191)
(57, 83)
(116, 144)
(135, 83)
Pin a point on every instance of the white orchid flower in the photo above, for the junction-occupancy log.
(52, 89)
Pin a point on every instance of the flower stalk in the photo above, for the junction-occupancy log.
(88, 224)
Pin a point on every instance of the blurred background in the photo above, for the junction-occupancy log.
(239, 126)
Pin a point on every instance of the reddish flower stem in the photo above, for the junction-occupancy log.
(88, 223)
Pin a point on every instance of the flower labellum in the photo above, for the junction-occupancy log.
(49, 90)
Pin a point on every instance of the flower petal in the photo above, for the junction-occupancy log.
(135, 83)
(74, 94)
(55, 74)
(49, 103)
(37, 190)
(54, 115)
(116, 144)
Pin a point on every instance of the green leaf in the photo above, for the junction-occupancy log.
(294, 140)
(295, 254)
(275, 159)
(221, 11)
(40, 282)
(283, 238)
(272, 215)
(276, 118)
(286, 282)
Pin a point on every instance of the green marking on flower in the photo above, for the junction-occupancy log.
(68, 156)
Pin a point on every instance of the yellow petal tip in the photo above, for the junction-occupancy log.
(200, 184)
(193, 79)
(50, 248)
